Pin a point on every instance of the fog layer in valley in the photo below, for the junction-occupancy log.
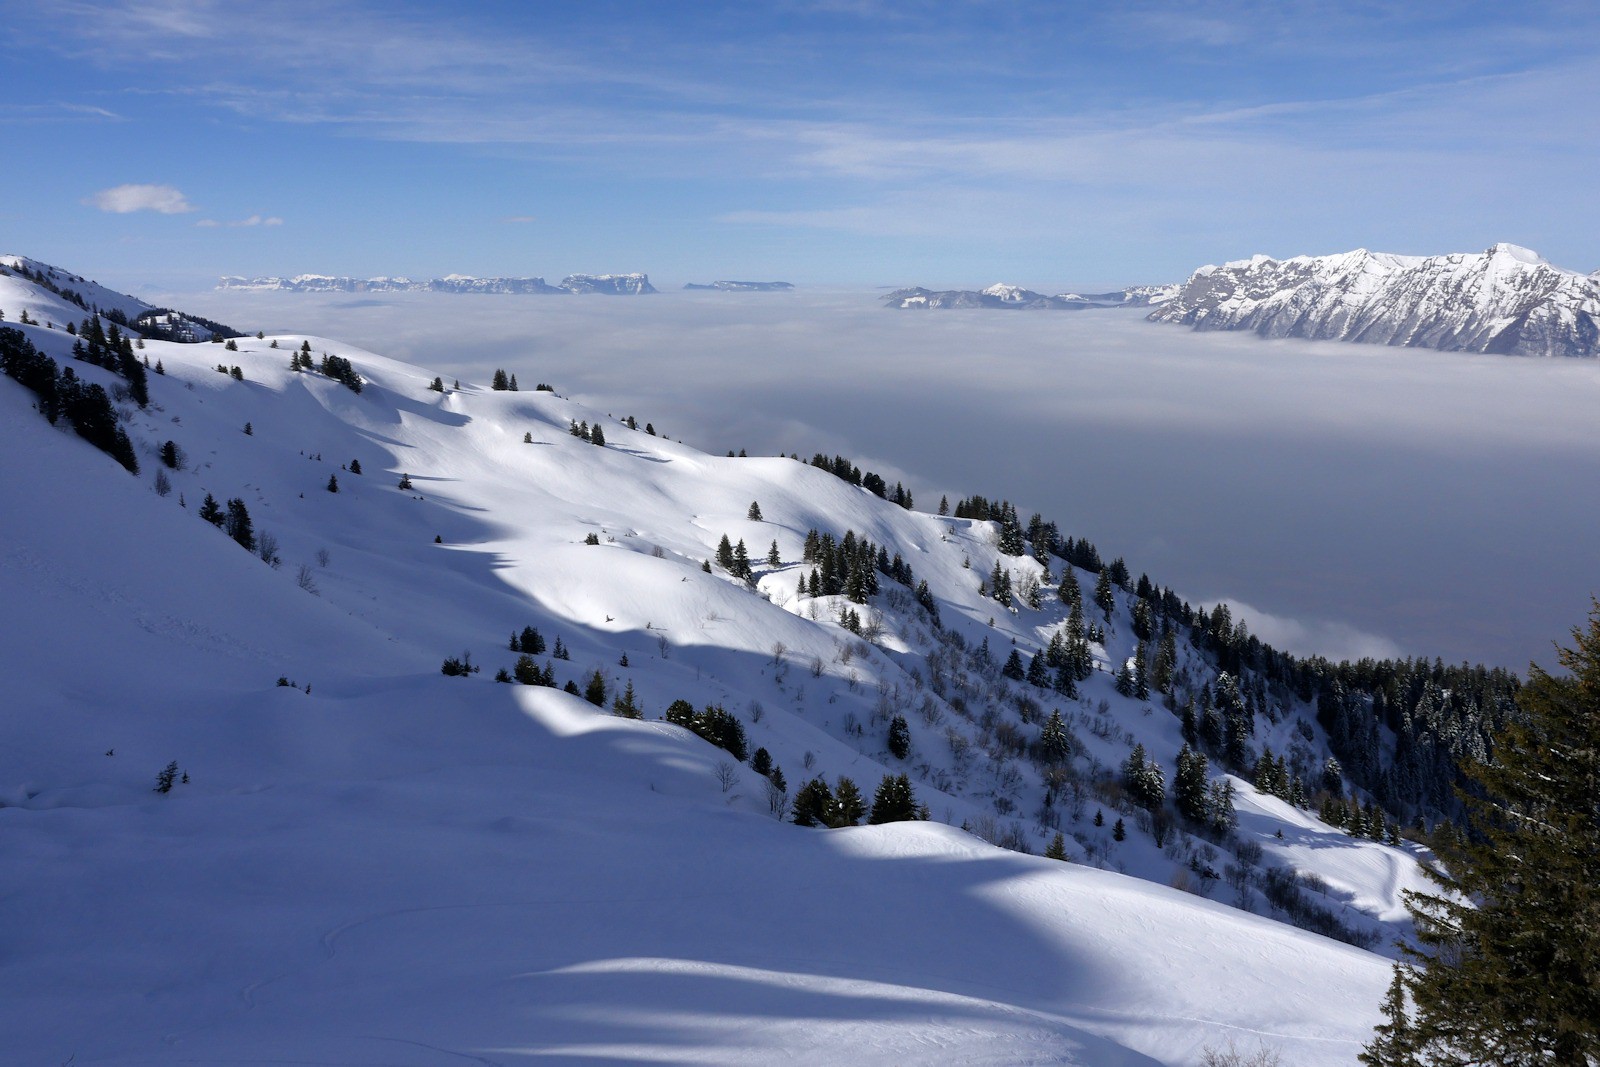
(1351, 499)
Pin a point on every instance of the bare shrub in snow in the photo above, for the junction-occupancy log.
(1231, 1056)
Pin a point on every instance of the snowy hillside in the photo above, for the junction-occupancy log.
(1504, 300)
(453, 283)
(1001, 295)
(361, 858)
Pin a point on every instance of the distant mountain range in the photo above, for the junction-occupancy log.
(1505, 300)
(744, 287)
(610, 284)
(1016, 297)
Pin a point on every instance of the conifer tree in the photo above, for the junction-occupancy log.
(754, 514)
(899, 737)
(1190, 786)
(725, 553)
(894, 801)
(848, 805)
(773, 559)
(1104, 598)
(211, 511)
(1058, 848)
(1508, 966)
(626, 704)
(594, 690)
(1054, 743)
(813, 804)
(333, 483)
(238, 525)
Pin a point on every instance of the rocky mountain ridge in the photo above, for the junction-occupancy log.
(1506, 300)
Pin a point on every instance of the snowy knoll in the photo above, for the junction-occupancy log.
(361, 860)
(1013, 296)
(1505, 300)
(616, 284)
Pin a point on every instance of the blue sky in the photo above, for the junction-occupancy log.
(852, 141)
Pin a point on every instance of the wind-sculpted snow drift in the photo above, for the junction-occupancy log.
(364, 859)
(1505, 300)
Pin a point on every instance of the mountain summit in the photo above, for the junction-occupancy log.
(1506, 299)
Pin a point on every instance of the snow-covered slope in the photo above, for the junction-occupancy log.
(1505, 300)
(379, 862)
(452, 283)
(1001, 295)
(57, 295)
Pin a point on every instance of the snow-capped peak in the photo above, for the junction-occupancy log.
(1507, 299)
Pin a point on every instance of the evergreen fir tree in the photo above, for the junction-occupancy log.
(754, 514)
(1104, 598)
(1508, 968)
(211, 511)
(627, 705)
(333, 483)
(773, 559)
(1190, 786)
(1057, 849)
(894, 801)
(1054, 743)
(238, 526)
(848, 805)
(899, 737)
(813, 804)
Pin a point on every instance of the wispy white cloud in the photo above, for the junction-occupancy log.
(253, 220)
(520, 218)
(125, 199)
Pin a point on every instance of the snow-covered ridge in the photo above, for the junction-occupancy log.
(616, 284)
(1002, 295)
(1506, 299)
(59, 293)
(743, 287)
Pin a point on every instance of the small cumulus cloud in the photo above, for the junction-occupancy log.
(520, 218)
(125, 199)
